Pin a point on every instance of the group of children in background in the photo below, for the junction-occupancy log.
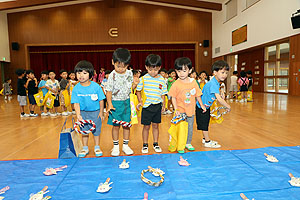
(186, 91)
(242, 84)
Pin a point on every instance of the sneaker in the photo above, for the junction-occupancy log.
(180, 151)
(115, 151)
(53, 114)
(203, 141)
(145, 150)
(69, 113)
(231, 100)
(48, 113)
(98, 152)
(5, 97)
(104, 110)
(64, 113)
(58, 113)
(212, 144)
(242, 101)
(127, 150)
(25, 115)
(236, 100)
(33, 115)
(83, 153)
(9, 98)
(73, 112)
(157, 149)
(44, 114)
(164, 113)
(190, 147)
(245, 100)
(169, 112)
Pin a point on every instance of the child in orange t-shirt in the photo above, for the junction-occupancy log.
(184, 93)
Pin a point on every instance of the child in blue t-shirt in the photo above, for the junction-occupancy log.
(42, 86)
(211, 92)
(87, 97)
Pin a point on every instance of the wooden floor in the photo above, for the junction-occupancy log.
(271, 120)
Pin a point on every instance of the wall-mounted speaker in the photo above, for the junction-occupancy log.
(15, 46)
(205, 43)
(295, 21)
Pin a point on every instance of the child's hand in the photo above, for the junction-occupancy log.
(163, 109)
(203, 108)
(110, 108)
(177, 113)
(79, 118)
(228, 109)
(101, 115)
(136, 80)
(138, 106)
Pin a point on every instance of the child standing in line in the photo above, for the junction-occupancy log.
(119, 84)
(87, 97)
(203, 79)
(22, 96)
(101, 75)
(72, 82)
(63, 84)
(42, 86)
(53, 86)
(155, 90)
(243, 82)
(7, 89)
(233, 85)
(104, 85)
(171, 80)
(249, 76)
(184, 92)
(32, 87)
(211, 92)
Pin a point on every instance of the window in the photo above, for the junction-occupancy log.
(277, 68)
(250, 3)
(231, 9)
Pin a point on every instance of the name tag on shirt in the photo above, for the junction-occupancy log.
(94, 97)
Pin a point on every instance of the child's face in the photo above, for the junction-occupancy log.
(106, 76)
(30, 75)
(44, 76)
(102, 69)
(193, 75)
(163, 74)
(153, 71)
(64, 75)
(173, 75)
(83, 76)
(183, 74)
(120, 67)
(72, 76)
(9, 81)
(221, 75)
(95, 72)
(203, 76)
(52, 75)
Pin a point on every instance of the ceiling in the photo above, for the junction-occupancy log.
(207, 5)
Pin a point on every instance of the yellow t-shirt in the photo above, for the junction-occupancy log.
(185, 94)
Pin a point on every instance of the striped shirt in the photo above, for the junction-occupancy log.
(154, 88)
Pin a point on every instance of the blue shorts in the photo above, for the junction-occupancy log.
(122, 112)
(92, 115)
(31, 99)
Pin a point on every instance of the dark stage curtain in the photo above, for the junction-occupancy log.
(66, 57)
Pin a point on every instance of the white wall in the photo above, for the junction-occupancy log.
(4, 42)
(267, 20)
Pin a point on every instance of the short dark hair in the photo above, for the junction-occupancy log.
(62, 71)
(51, 71)
(204, 73)
(162, 70)
(134, 72)
(183, 61)
(29, 71)
(19, 72)
(122, 56)
(219, 65)
(235, 72)
(144, 73)
(45, 72)
(193, 71)
(243, 74)
(71, 72)
(84, 66)
(7, 79)
(153, 60)
(170, 71)
(107, 72)
(249, 72)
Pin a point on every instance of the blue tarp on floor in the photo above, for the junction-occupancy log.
(212, 175)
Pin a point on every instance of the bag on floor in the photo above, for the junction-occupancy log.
(133, 104)
(39, 98)
(49, 100)
(67, 98)
(178, 136)
(239, 96)
(70, 143)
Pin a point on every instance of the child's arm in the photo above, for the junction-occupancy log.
(139, 96)
(36, 82)
(201, 104)
(163, 97)
(222, 101)
(101, 114)
(135, 82)
(77, 110)
(27, 82)
(174, 102)
(109, 102)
